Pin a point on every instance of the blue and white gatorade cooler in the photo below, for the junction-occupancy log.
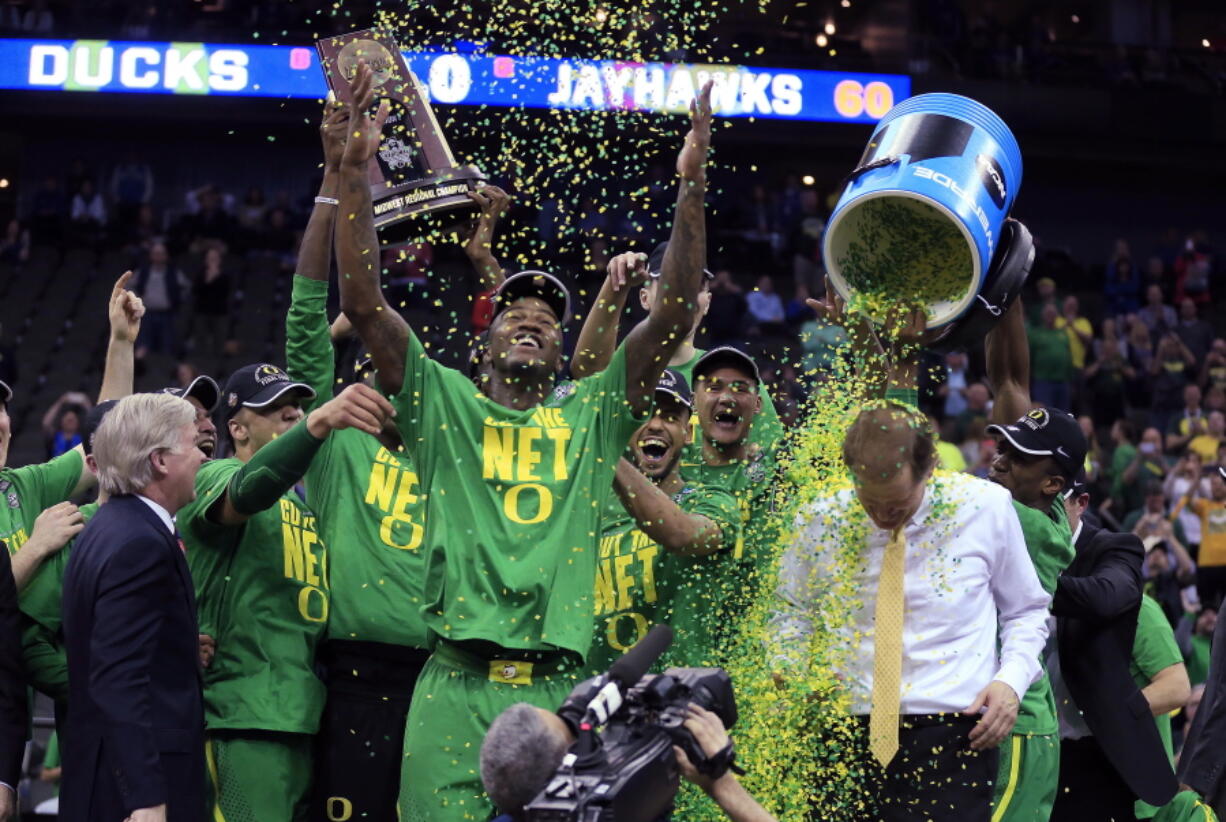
(920, 217)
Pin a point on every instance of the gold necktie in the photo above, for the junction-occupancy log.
(887, 653)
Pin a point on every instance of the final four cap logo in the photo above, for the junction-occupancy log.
(1036, 419)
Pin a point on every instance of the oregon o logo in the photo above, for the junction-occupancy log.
(340, 809)
(511, 505)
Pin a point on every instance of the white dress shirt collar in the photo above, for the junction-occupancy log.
(162, 513)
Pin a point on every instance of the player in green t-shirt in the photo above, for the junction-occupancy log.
(43, 490)
(261, 578)
(1039, 452)
(598, 339)
(371, 515)
(663, 543)
(516, 472)
(1157, 668)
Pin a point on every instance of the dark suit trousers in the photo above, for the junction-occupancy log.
(934, 777)
(1091, 790)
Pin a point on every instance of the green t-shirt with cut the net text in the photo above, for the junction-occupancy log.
(262, 594)
(369, 502)
(513, 502)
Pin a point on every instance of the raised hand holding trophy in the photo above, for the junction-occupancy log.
(413, 174)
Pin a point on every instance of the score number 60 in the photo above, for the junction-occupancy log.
(853, 98)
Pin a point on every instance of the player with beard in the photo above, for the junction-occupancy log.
(371, 511)
(658, 537)
(598, 339)
(517, 473)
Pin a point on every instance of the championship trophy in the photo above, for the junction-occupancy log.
(413, 174)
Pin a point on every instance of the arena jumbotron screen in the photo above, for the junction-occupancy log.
(451, 78)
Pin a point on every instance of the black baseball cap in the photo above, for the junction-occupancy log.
(655, 263)
(1047, 432)
(534, 284)
(1221, 470)
(6, 393)
(203, 388)
(258, 386)
(89, 426)
(726, 355)
(1078, 486)
(673, 383)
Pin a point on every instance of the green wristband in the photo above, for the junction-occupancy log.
(273, 470)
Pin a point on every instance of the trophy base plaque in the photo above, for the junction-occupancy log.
(416, 187)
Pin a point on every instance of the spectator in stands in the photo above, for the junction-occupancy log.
(1170, 370)
(953, 388)
(1079, 330)
(1152, 520)
(207, 222)
(1213, 372)
(798, 311)
(1112, 329)
(1122, 289)
(1167, 573)
(1215, 399)
(1209, 441)
(766, 308)
(1046, 291)
(211, 304)
(1195, 635)
(15, 244)
(1211, 561)
(1187, 423)
(727, 312)
(978, 409)
(1132, 468)
(805, 238)
(162, 286)
(1158, 317)
(1106, 381)
(1192, 269)
(131, 188)
(62, 423)
(1195, 333)
(1051, 361)
(1094, 451)
(821, 340)
(1178, 483)
(251, 213)
(88, 214)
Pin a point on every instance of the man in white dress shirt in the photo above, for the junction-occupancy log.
(950, 623)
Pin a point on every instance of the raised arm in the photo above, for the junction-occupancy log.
(125, 310)
(1008, 361)
(651, 344)
(278, 466)
(660, 518)
(308, 343)
(383, 330)
(598, 337)
(479, 245)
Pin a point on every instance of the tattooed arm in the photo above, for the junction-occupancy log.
(381, 328)
(650, 345)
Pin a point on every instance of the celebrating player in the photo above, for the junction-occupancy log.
(261, 580)
(371, 511)
(516, 475)
(657, 538)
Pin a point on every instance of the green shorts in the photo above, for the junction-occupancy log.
(457, 696)
(1028, 779)
(258, 776)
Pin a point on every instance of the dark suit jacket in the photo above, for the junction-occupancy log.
(1096, 603)
(1202, 765)
(137, 733)
(14, 710)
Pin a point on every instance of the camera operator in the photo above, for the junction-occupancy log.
(525, 745)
